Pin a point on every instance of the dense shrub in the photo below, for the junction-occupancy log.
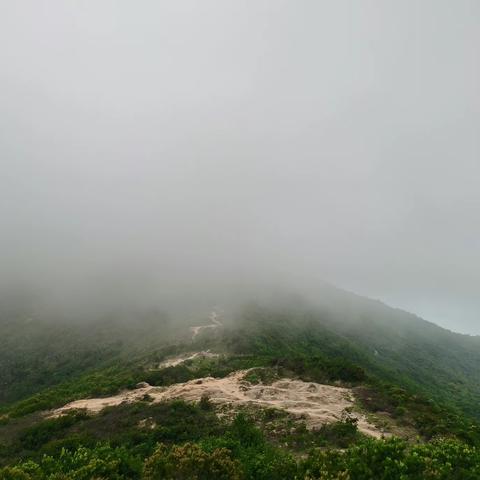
(234, 458)
(190, 462)
(101, 462)
(394, 459)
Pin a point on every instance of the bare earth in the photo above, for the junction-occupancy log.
(317, 404)
(174, 361)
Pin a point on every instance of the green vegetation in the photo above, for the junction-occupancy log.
(418, 376)
(191, 461)
(37, 355)
(237, 450)
(395, 459)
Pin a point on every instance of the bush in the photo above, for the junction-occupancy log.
(189, 461)
(101, 462)
(205, 403)
(394, 459)
(13, 473)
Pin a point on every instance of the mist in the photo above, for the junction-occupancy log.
(161, 152)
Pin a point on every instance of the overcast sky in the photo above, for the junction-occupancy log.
(202, 141)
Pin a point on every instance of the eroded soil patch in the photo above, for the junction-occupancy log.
(315, 403)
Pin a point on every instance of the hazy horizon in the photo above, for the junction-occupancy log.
(169, 149)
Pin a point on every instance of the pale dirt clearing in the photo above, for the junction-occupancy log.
(95, 405)
(174, 361)
(315, 403)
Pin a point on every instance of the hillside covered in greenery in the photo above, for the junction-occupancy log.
(416, 381)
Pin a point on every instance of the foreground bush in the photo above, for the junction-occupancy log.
(394, 459)
(101, 462)
(243, 454)
(189, 461)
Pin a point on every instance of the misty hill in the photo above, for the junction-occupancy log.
(404, 377)
(387, 342)
(406, 348)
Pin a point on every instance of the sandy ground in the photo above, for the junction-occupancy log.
(315, 403)
(214, 323)
(174, 361)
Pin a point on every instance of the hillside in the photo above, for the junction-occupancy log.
(268, 390)
(38, 353)
(405, 348)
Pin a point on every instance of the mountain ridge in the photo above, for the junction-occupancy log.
(408, 378)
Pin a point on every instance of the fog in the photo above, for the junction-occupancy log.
(170, 150)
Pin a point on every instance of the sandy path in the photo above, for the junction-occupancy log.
(317, 404)
(214, 323)
(95, 405)
(174, 361)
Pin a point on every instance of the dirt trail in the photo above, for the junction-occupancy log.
(317, 404)
(214, 323)
(174, 361)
